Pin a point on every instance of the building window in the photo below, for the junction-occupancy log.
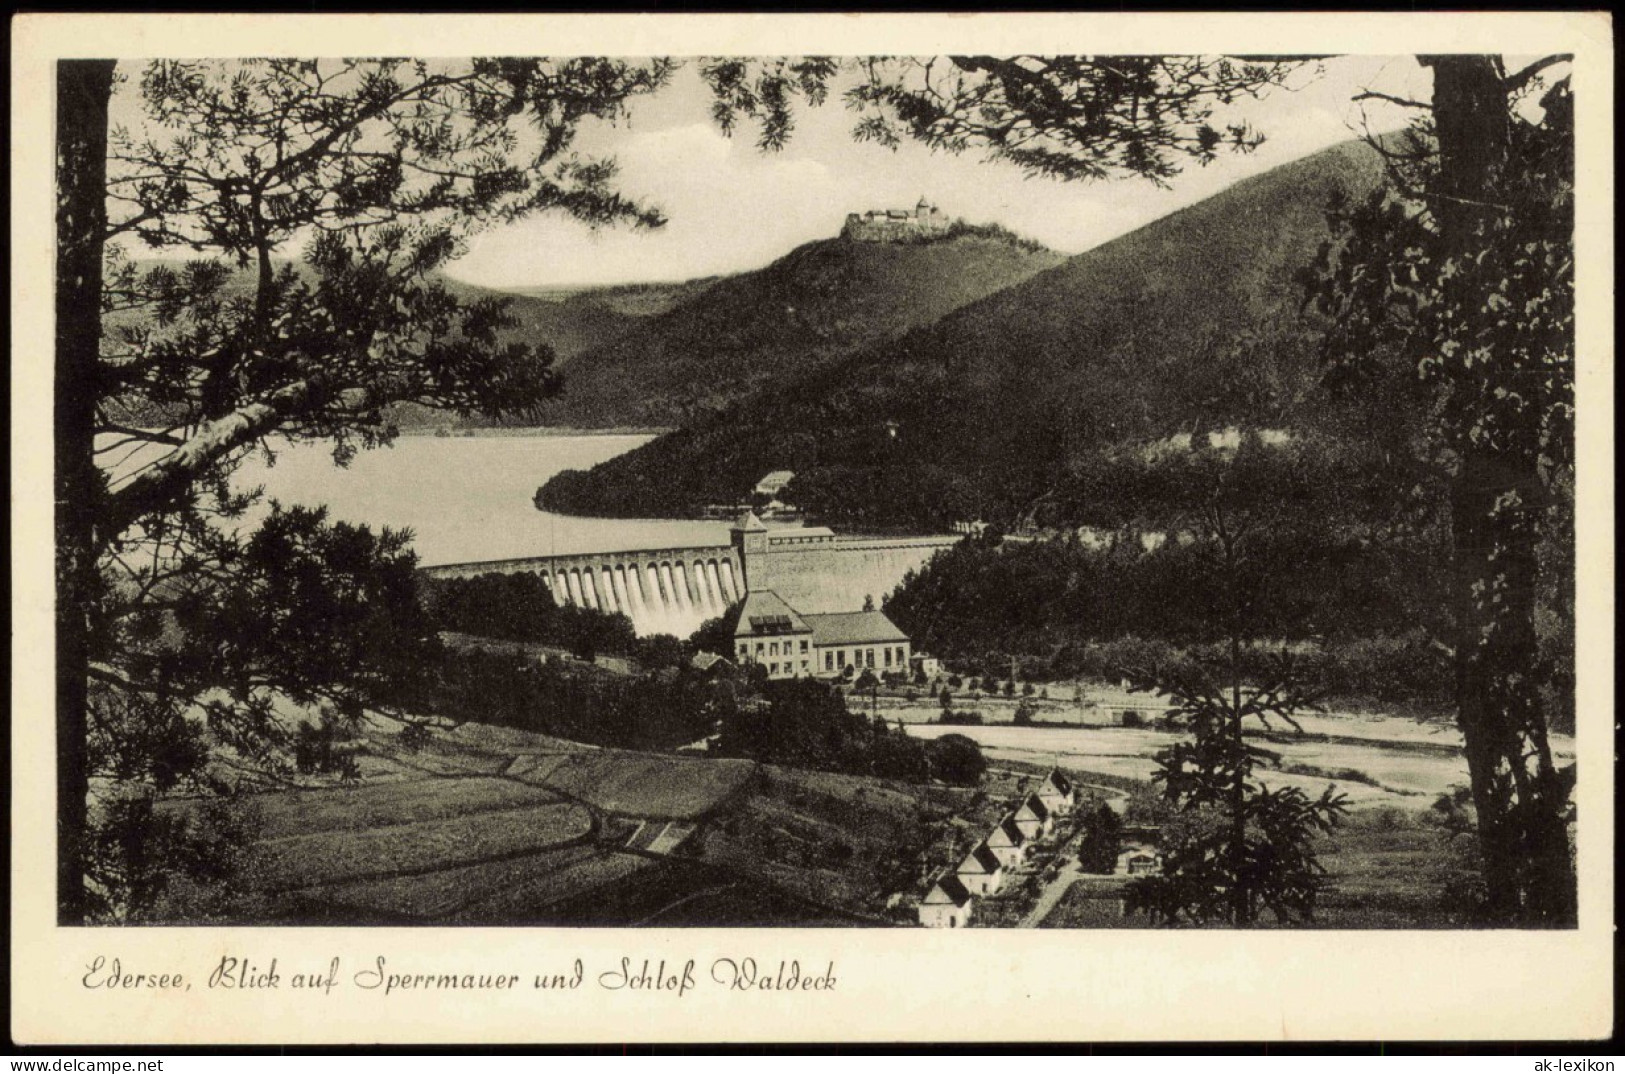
(804, 665)
(772, 648)
(887, 654)
(803, 644)
(840, 657)
(773, 669)
(759, 647)
(829, 660)
(869, 656)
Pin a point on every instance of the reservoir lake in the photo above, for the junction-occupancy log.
(468, 498)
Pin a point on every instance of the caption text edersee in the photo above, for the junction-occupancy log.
(636, 975)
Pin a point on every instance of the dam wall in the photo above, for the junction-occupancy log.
(837, 575)
(662, 590)
(674, 590)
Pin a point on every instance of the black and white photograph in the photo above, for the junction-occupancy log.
(1067, 491)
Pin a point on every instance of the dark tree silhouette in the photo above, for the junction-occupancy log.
(1101, 840)
(371, 173)
(1461, 274)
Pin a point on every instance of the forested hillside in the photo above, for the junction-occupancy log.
(1193, 322)
(804, 310)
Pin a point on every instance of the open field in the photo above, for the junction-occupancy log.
(1101, 707)
(646, 784)
(495, 826)
(1408, 769)
(1389, 872)
(445, 894)
(376, 805)
(303, 861)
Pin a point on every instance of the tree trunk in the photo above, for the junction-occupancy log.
(1496, 509)
(83, 90)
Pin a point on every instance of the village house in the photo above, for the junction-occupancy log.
(947, 905)
(1057, 793)
(709, 663)
(981, 872)
(773, 484)
(1007, 842)
(926, 665)
(1033, 818)
(791, 645)
(1139, 859)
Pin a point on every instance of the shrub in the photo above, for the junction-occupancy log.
(1101, 840)
(956, 760)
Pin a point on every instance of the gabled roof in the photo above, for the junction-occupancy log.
(748, 522)
(1007, 828)
(764, 614)
(947, 890)
(853, 628)
(1058, 780)
(981, 860)
(1035, 805)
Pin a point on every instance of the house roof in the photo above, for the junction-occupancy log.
(851, 628)
(1035, 805)
(981, 860)
(748, 522)
(1058, 780)
(764, 614)
(707, 661)
(947, 889)
(1007, 828)
(776, 479)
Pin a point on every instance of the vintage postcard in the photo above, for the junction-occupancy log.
(1053, 527)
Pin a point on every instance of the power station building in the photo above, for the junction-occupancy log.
(791, 645)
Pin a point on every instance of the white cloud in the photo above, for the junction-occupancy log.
(732, 207)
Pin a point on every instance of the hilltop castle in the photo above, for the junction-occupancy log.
(896, 225)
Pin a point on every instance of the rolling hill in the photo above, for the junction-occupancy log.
(1194, 321)
(806, 309)
(569, 320)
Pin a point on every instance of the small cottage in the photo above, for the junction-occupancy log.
(1007, 842)
(947, 905)
(1057, 793)
(1139, 859)
(1034, 818)
(981, 872)
(925, 664)
(710, 663)
(774, 483)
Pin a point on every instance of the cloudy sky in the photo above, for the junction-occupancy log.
(731, 207)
